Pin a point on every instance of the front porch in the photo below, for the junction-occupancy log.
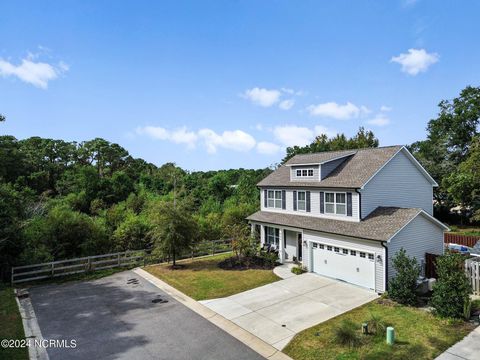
(287, 241)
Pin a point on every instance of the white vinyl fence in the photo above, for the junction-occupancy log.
(129, 258)
(472, 268)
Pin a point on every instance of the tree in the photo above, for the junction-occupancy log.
(2, 118)
(174, 230)
(363, 139)
(132, 233)
(452, 290)
(402, 288)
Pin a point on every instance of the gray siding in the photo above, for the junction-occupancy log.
(314, 204)
(316, 173)
(399, 184)
(328, 167)
(351, 243)
(420, 236)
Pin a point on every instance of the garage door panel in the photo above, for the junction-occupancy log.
(354, 266)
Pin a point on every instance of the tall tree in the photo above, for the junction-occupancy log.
(2, 118)
(363, 139)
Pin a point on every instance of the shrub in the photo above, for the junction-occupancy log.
(452, 289)
(347, 334)
(376, 325)
(467, 310)
(299, 269)
(270, 258)
(402, 288)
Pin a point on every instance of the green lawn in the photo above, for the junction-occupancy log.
(465, 230)
(419, 335)
(202, 279)
(11, 326)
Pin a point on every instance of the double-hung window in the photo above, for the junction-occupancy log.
(273, 236)
(301, 201)
(274, 199)
(335, 203)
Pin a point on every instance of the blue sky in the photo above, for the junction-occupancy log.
(227, 84)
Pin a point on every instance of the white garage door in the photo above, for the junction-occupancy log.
(351, 265)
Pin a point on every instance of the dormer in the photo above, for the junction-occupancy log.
(301, 170)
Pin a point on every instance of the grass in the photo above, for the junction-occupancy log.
(465, 230)
(419, 335)
(202, 279)
(11, 326)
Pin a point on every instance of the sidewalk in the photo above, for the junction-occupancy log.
(467, 349)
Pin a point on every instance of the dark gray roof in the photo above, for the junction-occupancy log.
(380, 225)
(353, 173)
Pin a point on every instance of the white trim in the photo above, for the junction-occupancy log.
(428, 216)
(412, 159)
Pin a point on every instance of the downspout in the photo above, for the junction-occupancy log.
(359, 203)
(386, 264)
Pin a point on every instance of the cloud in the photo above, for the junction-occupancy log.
(262, 97)
(385, 108)
(337, 111)
(178, 136)
(36, 73)
(268, 148)
(237, 140)
(286, 104)
(415, 61)
(379, 120)
(291, 135)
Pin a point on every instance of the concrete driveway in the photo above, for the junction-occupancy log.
(115, 318)
(277, 311)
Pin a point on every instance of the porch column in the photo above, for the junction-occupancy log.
(281, 251)
(262, 235)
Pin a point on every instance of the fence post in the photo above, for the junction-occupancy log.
(213, 247)
(89, 264)
(53, 269)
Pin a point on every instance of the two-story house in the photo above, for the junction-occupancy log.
(344, 214)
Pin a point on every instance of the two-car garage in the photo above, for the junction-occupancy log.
(347, 264)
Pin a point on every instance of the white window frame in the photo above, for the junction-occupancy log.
(304, 173)
(304, 201)
(274, 202)
(273, 236)
(334, 203)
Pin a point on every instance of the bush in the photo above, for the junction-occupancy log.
(402, 288)
(270, 258)
(347, 334)
(299, 269)
(452, 290)
(376, 325)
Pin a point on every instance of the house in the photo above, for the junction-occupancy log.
(344, 214)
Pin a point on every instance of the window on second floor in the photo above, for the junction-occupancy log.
(335, 203)
(301, 201)
(304, 172)
(274, 199)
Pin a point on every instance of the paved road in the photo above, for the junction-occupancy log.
(114, 318)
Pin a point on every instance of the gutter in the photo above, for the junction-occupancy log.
(386, 264)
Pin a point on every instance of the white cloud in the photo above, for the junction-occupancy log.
(268, 148)
(262, 97)
(237, 140)
(385, 108)
(31, 72)
(286, 104)
(415, 61)
(177, 136)
(291, 135)
(337, 111)
(379, 120)
(319, 130)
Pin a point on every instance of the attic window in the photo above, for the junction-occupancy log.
(304, 172)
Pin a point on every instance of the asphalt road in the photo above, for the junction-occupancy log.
(115, 318)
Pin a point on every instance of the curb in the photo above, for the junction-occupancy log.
(30, 325)
(253, 342)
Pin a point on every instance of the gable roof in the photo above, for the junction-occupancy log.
(357, 169)
(380, 225)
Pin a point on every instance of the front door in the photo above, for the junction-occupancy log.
(299, 247)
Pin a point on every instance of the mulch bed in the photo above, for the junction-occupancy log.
(233, 263)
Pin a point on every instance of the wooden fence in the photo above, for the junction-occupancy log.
(131, 258)
(466, 240)
(472, 268)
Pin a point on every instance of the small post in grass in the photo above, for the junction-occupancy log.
(390, 335)
(365, 328)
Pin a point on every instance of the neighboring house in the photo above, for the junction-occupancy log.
(344, 214)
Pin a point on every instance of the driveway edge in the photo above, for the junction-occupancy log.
(31, 328)
(253, 342)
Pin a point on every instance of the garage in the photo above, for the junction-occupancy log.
(355, 266)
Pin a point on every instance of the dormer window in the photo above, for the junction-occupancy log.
(304, 172)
